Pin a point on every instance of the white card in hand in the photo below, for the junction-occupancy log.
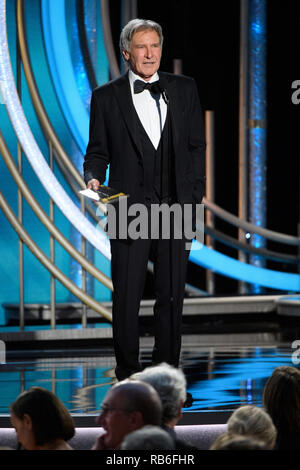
(91, 194)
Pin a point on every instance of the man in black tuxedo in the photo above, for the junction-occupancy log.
(154, 141)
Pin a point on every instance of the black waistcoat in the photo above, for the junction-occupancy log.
(157, 165)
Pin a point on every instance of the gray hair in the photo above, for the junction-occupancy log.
(148, 438)
(250, 420)
(170, 384)
(138, 25)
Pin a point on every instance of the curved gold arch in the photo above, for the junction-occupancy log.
(66, 165)
(36, 99)
(54, 270)
(53, 230)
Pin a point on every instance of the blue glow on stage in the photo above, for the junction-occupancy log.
(236, 379)
(220, 378)
(222, 264)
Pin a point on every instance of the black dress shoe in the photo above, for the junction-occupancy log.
(123, 374)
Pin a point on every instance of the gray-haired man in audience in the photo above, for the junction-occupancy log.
(170, 384)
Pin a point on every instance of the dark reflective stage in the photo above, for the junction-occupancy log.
(226, 365)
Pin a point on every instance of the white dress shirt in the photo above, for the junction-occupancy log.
(147, 109)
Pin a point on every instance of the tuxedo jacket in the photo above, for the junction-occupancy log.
(114, 139)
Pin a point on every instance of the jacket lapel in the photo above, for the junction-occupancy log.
(123, 94)
(174, 111)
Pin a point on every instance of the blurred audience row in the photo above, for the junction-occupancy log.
(140, 413)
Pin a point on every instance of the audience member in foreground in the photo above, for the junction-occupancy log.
(229, 441)
(252, 421)
(170, 384)
(128, 406)
(148, 438)
(282, 401)
(41, 421)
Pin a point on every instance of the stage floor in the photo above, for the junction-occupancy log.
(226, 362)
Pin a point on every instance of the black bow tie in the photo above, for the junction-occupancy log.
(140, 86)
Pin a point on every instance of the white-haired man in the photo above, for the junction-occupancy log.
(148, 127)
(170, 385)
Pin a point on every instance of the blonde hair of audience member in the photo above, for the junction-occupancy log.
(148, 438)
(250, 420)
(281, 400)
(41, 420)
(229, 441)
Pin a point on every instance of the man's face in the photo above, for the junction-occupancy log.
(145, 53)
(115, 420)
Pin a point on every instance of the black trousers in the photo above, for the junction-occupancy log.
(129, 267)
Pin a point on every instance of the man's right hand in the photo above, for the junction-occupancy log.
(100, 443)
(93, 184)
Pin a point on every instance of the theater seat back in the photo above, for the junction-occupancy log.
(200, 436)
